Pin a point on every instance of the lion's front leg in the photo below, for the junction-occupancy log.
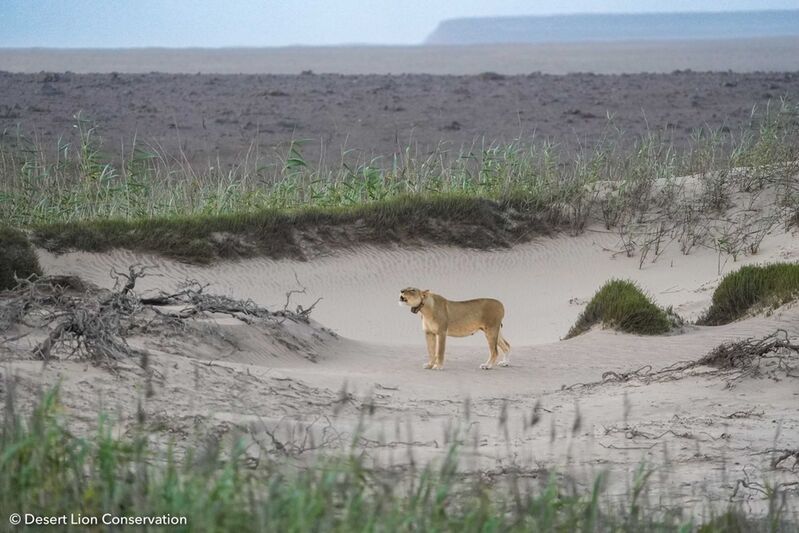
(431, 350)
(441, 345)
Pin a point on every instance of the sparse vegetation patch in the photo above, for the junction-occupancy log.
(48, 470)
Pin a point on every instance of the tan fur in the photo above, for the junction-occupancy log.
(442, 318)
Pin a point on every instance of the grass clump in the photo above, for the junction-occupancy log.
(622, 305)
(17, 257)
(751, 288)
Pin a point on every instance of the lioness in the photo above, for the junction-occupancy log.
(441, 317)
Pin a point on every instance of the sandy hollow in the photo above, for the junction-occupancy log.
(550, 411)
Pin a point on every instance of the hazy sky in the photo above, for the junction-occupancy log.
(214, 23)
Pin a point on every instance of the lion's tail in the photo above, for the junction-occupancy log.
(503, 344)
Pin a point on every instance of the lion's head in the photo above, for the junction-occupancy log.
(413, 298)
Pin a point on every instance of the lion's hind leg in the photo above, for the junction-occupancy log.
(492, 336)
(504, 347)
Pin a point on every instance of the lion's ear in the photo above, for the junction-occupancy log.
(425, 292)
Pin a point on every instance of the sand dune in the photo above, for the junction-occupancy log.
(261, 385)
(544, 283)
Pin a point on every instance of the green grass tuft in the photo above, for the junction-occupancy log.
(16, 257)
(622, 305)
(752, 288)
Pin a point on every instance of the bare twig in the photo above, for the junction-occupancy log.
(134, 273)
(299, 312)
(741, 359)
(781, 455)
(90, 323)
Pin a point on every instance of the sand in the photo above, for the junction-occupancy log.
(702, 431)
(544, 283)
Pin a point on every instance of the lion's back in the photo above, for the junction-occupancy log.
(488, 311)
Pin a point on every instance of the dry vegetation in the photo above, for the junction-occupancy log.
(80, 321)
(774, 354)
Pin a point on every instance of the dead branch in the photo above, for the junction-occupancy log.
(134, 273)
(614, 447)
(299, 312)
(92, 324)
(766, 490)
(292, 292)
(297, 440)
(786, 454)
(744, 414)
(781, 455)
(738, 359)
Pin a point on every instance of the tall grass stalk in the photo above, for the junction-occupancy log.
(47, 470)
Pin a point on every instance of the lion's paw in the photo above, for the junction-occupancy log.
(437, 367)
(485, 366)
(428, 366)
(504, 363)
